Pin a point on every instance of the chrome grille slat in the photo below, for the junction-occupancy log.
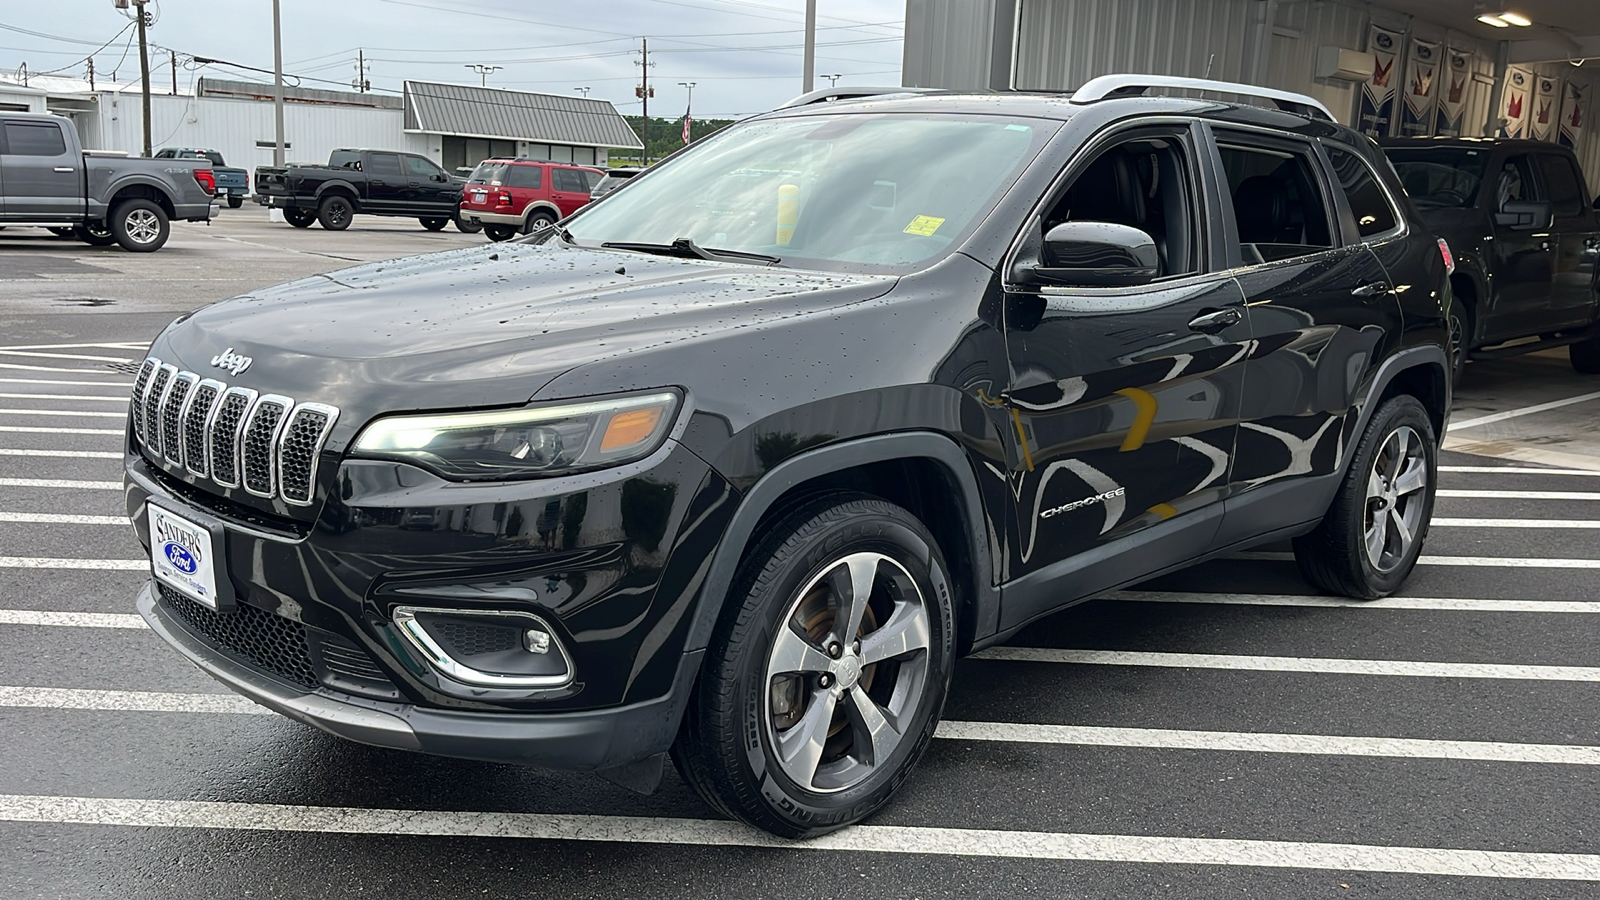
(264, 443)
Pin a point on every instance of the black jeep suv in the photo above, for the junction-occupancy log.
(741, 459)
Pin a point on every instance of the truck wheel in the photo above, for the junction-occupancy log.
(235, 201)
(95, 234)
(335, 212)
(434, 223)
(499, 232)
(466, 226)
(1585, 356)
(537, 221)
(1370, 538)
(1460, 337)
(140, 226)
(299, 218)
(827, 673)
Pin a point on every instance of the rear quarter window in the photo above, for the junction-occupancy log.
(1368, 202)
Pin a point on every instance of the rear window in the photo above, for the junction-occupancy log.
(383, 164)
(529, 177)
(34, 139)
(1439, 177)
(1368, 202)
(488, 173)
(345, 159)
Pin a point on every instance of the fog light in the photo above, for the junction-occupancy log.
(536, 641)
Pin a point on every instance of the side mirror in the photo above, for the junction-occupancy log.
(440, 177)
(1525, 215)
(1100, 254)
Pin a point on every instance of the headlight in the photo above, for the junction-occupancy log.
(525, 443)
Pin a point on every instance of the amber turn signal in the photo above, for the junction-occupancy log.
(631, 427)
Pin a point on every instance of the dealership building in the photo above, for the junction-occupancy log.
(1389, 67)
(454, 125)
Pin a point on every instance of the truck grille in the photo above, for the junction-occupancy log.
(266, 443)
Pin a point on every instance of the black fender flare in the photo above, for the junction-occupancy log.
(942, 450)
(343, 187)
(1403, 360)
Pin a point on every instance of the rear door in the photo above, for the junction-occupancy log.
(1575, 239)
(387, 191)
(1320, 311)
(1523, 262)
(41, 177)
(569, 189)
(525, 183)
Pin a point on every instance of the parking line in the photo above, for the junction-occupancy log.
(115, 384)
(42, 562)
(1439, 522)
(61, 483)
(1437, 603)
(34, 353)
(1517, 470)
(960, 842)
(1519, 495)
(110, 398)
(1307, 664)
(111, 345)
(1524, 411)
(61, 454)
(73, 413)
(21, 367)
(42, 429)
(1508, 562)
(49, 619)
(60, 519)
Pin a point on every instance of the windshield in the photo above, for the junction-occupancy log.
(859, 192)
(1439, 177)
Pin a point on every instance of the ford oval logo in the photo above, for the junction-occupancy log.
(181, 558)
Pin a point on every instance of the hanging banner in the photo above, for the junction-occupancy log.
(1545, 108)
(1454, 81)
(1377, 95)
(1573, 111)
(1416, 106)
(1514, 108)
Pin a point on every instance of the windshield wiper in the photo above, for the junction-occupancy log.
(688, 249)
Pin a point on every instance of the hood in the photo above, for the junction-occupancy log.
(483, 326)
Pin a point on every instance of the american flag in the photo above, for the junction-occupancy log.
(686, 121)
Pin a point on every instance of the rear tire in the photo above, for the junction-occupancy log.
(235, 201)
(140, 226)
(1585, 356)
(796, 725)
(1370, 538)
(499, 232)
(335, 212)
(299, 218)
(434, 223)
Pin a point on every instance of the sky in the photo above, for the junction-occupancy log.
(743, 55)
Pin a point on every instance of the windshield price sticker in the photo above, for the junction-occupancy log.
(924, 226)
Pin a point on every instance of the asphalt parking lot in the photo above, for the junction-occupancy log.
(1218, 733)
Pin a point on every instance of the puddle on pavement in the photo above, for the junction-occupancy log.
(83, 301)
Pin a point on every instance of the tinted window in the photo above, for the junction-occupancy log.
(1277, 207)
(530, 177)
(1144, 184)
(1562, 185)
(345, 159)
(569, 180)
(1439, 177)
(1515, 182)
(34, 139)
(383, 164)
(1368, 203)
(422, 168)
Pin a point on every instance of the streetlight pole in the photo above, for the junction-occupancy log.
(584, 91)
(811, 45)
(484, 71)
(833, 80)
(690, 85)
(277, 85)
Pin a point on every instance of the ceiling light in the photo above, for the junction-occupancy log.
(1496, 21)
(1516, 19)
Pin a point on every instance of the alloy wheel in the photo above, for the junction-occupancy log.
(1458, 341)
(142, 226)
(846, 672)
(1396, 498)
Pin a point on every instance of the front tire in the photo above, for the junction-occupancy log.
(827, 674)
(140, 226)
(335, 212)
(537, 221)
(1585, 356)
(499, 232)
(1370, 538)
(434, 223)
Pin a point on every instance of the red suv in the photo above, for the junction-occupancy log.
(508, 196)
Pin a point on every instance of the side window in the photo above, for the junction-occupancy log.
(1277, 206)
(1368, 202)
(1515, 182)
(1143, 183)
(345, 159)
(569, 180)
(383, 164)
(421, 168)
(529, 177)
(34, 139)
(1562, 184)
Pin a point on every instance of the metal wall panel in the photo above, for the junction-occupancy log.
(949, 43)
(233, 127)
(1063, 43)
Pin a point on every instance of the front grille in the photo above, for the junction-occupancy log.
(272, 642)
(265, 443)
(340, 657)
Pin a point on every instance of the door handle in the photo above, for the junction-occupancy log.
(1216, 320)
(1371, 289)
(67, 169)
(375, 181)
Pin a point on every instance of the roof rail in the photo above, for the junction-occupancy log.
(827, 95)
(1107, 87)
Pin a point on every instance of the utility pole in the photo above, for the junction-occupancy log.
(811, 46)
(645, 91)
(174, 72)
(91, 74)
(484, 71)
(277, 85)
(144, 74)
(362, 83)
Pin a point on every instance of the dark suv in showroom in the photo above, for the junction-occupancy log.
(737, 462)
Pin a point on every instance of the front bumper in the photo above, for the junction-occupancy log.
(598, 739)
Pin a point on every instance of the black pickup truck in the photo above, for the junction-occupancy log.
(373, 182)
(1526, 238)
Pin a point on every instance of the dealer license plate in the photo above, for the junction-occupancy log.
(184, 554)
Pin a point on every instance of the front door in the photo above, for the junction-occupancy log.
(387, 191)
(570, 189)
(1524, 257)
(42, 178)
(1320, 311)
(433, 190)
(1576, 241)
(1123, 400)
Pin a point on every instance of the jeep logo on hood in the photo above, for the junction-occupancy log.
(231, 361)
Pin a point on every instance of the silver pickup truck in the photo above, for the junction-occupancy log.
(48, 179)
